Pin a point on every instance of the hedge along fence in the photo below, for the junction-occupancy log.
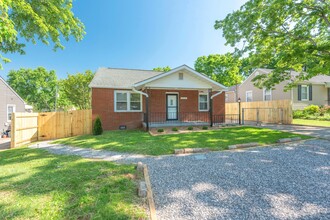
(30, 127)
(277, 111)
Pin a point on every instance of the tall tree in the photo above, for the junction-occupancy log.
(224, 69)
(76, 88)
(162, 69)
(37, 87)
(293, 34)
(32, 20)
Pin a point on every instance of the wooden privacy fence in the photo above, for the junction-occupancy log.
(277, 111)
(30, 127)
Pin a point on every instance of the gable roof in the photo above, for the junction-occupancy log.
(183, 67)
(128, 78)
(120, 78)
(319, 79)
(6, 84)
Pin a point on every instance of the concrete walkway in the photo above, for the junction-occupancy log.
(4, 143)
(88, 153)
(319, 132)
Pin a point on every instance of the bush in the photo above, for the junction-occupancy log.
(97, 128)
(205, 127)
(190, 128)
(160, 130)
(299, 114)
(324, 110)
(311, 109)
(174, 129)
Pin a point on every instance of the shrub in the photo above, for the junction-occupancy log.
(190, 128)
(312, 109)
(160, 130)
(205, 127)
(324, 110)
(299, 114)
(97, 128)
(174, 129)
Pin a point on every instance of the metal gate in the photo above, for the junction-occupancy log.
(262, 115)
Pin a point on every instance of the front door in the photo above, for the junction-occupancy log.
(171, 107)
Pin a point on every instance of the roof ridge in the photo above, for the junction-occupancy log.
(118, 68)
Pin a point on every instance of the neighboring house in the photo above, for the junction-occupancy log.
(181, 96)
(10, 102)
(314, 91)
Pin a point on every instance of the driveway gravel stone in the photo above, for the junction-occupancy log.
(286, 181)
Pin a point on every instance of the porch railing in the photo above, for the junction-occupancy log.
(190, 118)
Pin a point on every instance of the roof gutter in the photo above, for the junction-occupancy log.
(216, 94)
(140, 92)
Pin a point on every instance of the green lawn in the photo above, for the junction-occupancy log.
(136, 141)
(311, 122)
(35, 184)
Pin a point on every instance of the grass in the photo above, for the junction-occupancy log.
(311, 122)
(136, 141)
(35, 184)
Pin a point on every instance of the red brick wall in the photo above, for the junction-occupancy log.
(103, 105)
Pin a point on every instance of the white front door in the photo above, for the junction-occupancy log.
(172, 107)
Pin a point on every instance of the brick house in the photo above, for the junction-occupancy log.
(129, 99)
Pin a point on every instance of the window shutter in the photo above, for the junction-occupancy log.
(310, 92)
(299, 92)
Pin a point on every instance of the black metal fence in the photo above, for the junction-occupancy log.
(190, 118)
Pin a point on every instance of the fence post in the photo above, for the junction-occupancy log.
(281, 115)
(242, 116)
(13, 131)
(257, 115)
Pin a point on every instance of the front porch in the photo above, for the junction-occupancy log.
(163, 119)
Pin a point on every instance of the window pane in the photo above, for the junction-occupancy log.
(304, 92)
(135, 106)
(10, 109)
(121, 106)
(135, 97)
(121, 97)
(203, 106)
(203, 98)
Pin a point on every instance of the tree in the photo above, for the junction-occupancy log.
(97, 128)
(76, 89)
(162, 69)
(224, 69)
(294, 35)
(37, 87)
(46, 21)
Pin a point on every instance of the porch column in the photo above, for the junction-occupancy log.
(211, 108)
(147, 112)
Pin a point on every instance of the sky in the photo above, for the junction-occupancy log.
(134, 34)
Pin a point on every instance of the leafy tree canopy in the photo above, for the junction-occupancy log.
(225, 69)
(293, 34)
(32, 20)
(162, 69)
(37, 87)
(75, 89)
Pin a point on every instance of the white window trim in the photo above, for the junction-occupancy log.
(250, 91)
(264, 93)
(128, 101)
(14, 110)
(307, 99)
(208, 102)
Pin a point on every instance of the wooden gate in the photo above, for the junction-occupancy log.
(29, 127)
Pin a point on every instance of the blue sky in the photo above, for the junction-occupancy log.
(134, 34)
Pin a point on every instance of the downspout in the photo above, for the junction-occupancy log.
(211, 105)
(147, 105)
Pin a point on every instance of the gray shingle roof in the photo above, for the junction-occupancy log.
(120, 78)
(315, 79)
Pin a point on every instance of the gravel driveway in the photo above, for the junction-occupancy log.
(285, 182)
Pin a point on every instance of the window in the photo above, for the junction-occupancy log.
(267, 94)
(203, 101)
(304, 92)
(249, 96)
(10, 110)
(180, 76)
(126, 101)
